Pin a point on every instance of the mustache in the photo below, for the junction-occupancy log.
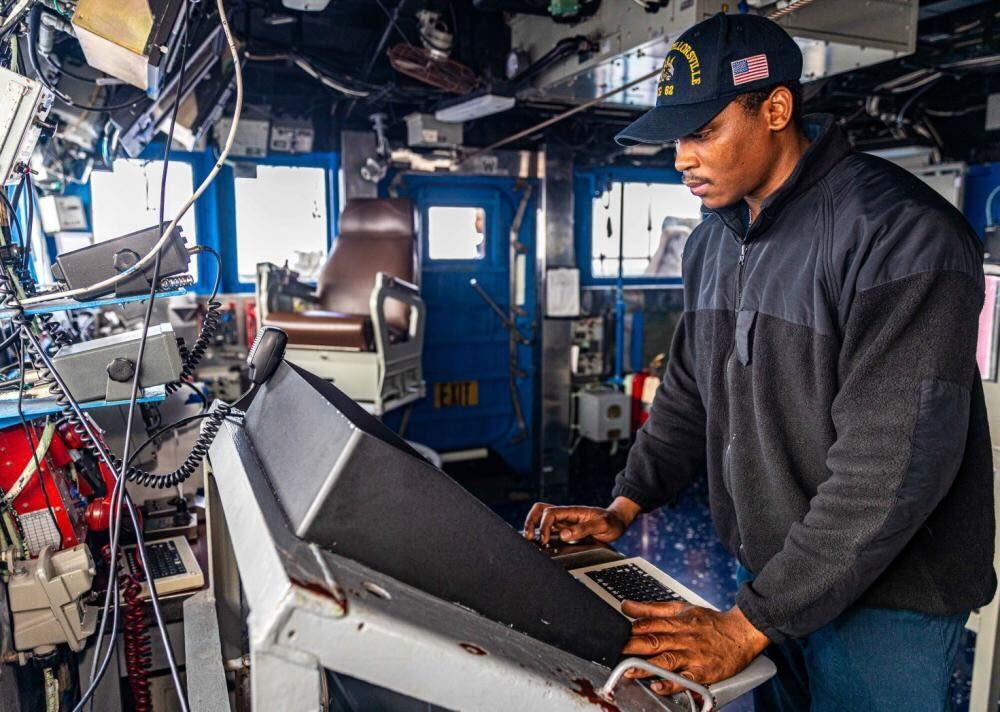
(689, 179)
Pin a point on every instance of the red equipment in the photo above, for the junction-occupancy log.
(50, 505)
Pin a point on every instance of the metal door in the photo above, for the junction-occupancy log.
(481, 379)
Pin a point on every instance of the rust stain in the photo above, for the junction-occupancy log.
(472, 649)
(588, 693)
(320, 590)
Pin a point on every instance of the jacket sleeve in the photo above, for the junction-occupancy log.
(670, 447)
(906, 371)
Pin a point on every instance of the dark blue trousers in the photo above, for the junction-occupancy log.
(866, 659)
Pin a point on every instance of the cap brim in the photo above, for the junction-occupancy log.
(669, 123)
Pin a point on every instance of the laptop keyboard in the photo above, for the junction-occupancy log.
(630, 583)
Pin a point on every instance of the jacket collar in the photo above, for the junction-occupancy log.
(828, 147)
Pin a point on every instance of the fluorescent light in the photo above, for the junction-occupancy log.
(475, 108)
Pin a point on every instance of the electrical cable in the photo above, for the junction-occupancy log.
(559, 117)
(34, 19)
(989, 205)
(220, 162)
(14, 220)
(916, 95)
(16, 13)
(209, 324)
(29, 196)
(8, 342)
(306, 66)
(83, 427)
(57, 335)
(789, 9)
(45, 442)
(199, 394)
(29, 436)
(174, 426)
(130, 418)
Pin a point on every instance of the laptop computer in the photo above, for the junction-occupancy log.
(615, 578)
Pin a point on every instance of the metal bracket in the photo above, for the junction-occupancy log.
(607, 691)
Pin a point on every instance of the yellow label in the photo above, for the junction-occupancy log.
(459, 393)
(694, 64)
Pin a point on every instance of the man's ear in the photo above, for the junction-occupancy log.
(778, 108)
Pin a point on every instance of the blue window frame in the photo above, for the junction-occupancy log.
(658, 214)
(214, 211)
(226, 208)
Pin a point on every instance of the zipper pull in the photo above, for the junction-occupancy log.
(743, 252)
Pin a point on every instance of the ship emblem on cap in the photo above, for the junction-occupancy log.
(667, 75)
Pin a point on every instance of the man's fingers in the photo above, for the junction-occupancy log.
(533, 518)
(666, 687)
(672, 660)
(637, 609)
(581, 530)
(665, 624)
(553, 516)
(656, 642)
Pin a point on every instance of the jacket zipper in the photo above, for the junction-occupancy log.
(744, 249)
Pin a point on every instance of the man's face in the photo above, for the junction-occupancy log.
(728, 158)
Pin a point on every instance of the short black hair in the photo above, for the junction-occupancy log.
(752, 101)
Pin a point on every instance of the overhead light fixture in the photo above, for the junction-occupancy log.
(276, 19)
(476, 107)
(645, 149)
(306, 5)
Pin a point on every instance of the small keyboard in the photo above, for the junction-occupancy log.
(172, 564)
(627, 582)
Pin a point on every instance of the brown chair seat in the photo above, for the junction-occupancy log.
(324, 328)
(376, 235)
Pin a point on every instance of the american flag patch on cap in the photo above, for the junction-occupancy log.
(750, 69)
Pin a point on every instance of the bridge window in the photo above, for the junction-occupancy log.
(655, 220)
(282, 215)
(127, 198)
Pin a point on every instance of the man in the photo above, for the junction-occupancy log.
(824, 375)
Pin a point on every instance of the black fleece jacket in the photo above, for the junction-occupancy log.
(824, 374)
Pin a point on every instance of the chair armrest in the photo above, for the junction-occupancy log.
(389, 287)
(390, 281)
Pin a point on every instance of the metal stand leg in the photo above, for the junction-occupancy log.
(291, 684)
(986, 665)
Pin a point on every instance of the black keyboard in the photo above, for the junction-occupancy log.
(163, 558)
(628, 582)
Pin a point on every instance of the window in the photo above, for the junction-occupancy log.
(281, 215)
(655, 223)
(127, 199)
(456, 233)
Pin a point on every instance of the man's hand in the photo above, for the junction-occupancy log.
(575, 523)
(703, 645)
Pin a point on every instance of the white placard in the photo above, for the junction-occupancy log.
(562, 292)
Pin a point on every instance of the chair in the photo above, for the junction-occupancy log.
(363, 326)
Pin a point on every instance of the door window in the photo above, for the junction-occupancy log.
(456, 233)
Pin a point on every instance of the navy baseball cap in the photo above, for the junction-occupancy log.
(707, 67)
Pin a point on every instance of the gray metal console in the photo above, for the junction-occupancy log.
(310, 608)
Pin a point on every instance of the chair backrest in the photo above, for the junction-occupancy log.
(376, 235)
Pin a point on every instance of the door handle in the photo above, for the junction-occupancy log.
(507, 322)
